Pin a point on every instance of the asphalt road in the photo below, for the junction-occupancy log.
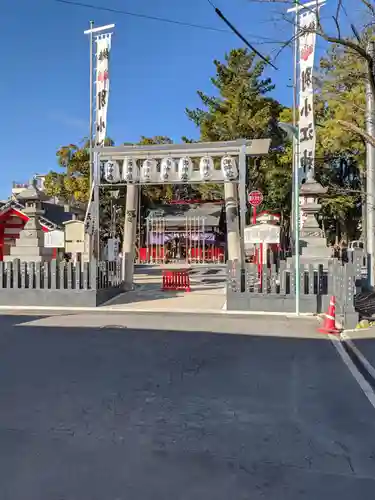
(367, 348)
(149, 414)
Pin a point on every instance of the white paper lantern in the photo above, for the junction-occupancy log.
(206, 168)
(130, 169)
(185, 168)
(112, 171)
(147, 170)
(166, 167)
(229, 168)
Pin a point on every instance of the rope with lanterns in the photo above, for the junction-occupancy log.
(129, 170)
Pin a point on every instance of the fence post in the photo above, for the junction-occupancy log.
(31, 275)
(9, 273)
(61, 275)
(86, 276)
(2, 274)
(350, 315)
(78, 275)
(282, 274)
(38, 275)
(264, 279)
(16, 273)
(24, 272)
(292, 281)
(273, 279)
(93, 275)
(69, 275)
(51, 275)
(340, 289)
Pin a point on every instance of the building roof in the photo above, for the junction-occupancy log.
(54, 215)
(32, 193)
(174, 214)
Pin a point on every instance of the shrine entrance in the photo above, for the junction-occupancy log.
(184, 234)
(189, 238)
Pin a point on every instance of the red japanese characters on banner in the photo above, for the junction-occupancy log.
(307, 136)
(255, 198)
(103, 48)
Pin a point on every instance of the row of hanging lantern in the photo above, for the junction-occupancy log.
(130, 172)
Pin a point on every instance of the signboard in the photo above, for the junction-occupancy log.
(54, 239)
(113, 249)
(74, 237)
(306, 125)
(255, 198)
(262, 233)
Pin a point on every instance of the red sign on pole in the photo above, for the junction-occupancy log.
(255, 198)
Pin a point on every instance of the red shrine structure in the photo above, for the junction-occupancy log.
(13, 219)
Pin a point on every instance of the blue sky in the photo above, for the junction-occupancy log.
(156, 69)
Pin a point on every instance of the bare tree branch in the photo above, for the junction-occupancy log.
(357, 44)
(358, 47)
(370, 7)
(358, 130)
(336, 17)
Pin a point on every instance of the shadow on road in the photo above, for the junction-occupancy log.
(14, 319)
(262, 325)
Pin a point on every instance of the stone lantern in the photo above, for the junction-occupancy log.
(30, 244)
(313, 243)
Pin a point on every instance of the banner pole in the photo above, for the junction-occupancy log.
(90, 251)
(296, 144)
(94, 170)
(91, 100)
(299, 121)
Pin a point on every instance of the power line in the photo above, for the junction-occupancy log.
(266, 40)
(240, 36)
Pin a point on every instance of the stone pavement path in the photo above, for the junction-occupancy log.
(202, 277)
(207, 284)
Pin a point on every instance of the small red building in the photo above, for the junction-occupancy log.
(13, 219)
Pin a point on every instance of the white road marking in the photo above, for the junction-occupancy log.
(359, 355)
(362, 382)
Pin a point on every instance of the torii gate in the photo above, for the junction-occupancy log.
(134, 166)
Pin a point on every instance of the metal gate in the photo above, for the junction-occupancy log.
(186, 242)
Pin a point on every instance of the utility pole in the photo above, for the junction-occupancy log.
(370, 174)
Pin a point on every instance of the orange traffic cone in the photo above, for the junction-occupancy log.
(329, 325)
